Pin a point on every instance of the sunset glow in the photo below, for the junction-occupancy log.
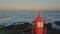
(29, 4)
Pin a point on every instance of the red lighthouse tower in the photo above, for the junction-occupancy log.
(39, 25)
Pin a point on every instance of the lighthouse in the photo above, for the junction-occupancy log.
(38, 27)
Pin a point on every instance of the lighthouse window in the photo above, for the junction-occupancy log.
(39, 24)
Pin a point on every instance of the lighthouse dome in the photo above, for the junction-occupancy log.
(38, 18)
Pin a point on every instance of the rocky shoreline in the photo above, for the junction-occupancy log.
(26, 28)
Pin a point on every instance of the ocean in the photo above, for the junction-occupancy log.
(9, 17)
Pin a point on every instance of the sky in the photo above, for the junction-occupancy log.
(29, 4)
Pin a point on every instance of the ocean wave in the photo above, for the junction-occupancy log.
(6, 19)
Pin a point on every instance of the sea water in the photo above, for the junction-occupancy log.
(9, 17)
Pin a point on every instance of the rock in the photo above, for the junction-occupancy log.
(49, 25)
(19, 28)
(2, 27)
(57, 23)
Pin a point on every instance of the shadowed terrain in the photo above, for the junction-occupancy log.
(26, 28)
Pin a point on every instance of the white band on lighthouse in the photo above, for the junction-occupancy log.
(39, 24)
